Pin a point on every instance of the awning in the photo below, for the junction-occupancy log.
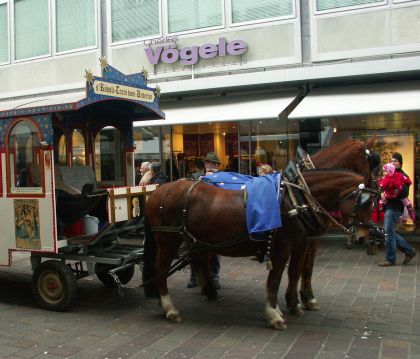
(359, 100)
(51, 100)
(223, 108)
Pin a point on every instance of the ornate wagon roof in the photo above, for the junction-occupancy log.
(130, 90)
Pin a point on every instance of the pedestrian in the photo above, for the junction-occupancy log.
(393, 210)
(212, 165)
(198, 168)
(157, 176)
(265, 169)
(145, 173)
(392, 184)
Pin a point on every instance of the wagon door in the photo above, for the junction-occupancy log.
(27, 218)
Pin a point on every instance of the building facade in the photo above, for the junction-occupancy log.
(248, 80)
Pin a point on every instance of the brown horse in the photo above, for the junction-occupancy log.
(350, 154)
(214, 217)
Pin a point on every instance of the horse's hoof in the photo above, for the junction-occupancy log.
(174, 318)
(209, 293)
(295, 310)
(278, 325)
(312, 305)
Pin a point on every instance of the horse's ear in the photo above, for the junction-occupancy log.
(370, 143)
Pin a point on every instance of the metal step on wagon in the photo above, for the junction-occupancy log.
(67, 191)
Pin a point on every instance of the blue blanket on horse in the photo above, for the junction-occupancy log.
(263, 203)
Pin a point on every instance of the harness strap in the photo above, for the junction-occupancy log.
(162, 203)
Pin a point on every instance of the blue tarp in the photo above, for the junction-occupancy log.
(263, 204)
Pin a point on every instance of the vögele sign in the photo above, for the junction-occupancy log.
(191, 55)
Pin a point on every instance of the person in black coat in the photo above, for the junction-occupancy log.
(158, 177)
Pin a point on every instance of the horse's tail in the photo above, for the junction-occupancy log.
(149, 261)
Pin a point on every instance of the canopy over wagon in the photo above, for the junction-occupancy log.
(67, 156)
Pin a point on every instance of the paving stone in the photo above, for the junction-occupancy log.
(366, 312)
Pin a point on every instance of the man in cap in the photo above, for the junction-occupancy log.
(212, 165)
(393, 211)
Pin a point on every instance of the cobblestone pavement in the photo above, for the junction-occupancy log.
(366, 312)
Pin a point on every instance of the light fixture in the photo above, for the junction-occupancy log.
(224, 133)
(335, 129)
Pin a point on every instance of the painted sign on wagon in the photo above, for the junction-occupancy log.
(27, 223)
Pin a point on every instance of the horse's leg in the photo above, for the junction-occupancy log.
(273, 313)
(296, 263)
(306, 293)
(207, 283)
(164, 258)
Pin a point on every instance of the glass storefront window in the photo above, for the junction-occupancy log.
(109, 157)
(395, 132)
(266, 142)
(78, 148)
(24, 159)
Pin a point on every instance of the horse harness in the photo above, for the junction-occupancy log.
(362, 194)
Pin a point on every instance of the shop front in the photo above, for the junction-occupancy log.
(248, 130)
(391, 111)
(244, 130)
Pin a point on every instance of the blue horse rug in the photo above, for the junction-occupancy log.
(263, 203)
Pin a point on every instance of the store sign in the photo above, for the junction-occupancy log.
(121, 91)
(191, 55)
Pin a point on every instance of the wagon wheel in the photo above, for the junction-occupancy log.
(123, 275)
(53, 285)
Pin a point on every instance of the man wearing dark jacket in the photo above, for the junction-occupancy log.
(158, 177)
(393, 211)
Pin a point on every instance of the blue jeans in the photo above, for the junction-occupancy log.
(392, 239)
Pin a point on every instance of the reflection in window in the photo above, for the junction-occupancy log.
(194, 14)
(31, 28)
(336, 4)
(23, 152)
(4, 40)
(250, 10)
(78, 148)
(109, 156)
(75, 24)
(125, 19)
(265, 141)
(62, 151)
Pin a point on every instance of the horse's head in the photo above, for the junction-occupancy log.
(337, 189)
(359, 157)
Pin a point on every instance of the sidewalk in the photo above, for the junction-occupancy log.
(366, 312)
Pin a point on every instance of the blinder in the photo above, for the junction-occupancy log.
(363, 199)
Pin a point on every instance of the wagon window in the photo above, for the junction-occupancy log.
(109, 157)
(25, 172)
(78, 148)
(62, 151)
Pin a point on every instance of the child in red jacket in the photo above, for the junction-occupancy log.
(392, 184)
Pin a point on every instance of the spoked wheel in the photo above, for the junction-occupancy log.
(53, 285)
(124, 275)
